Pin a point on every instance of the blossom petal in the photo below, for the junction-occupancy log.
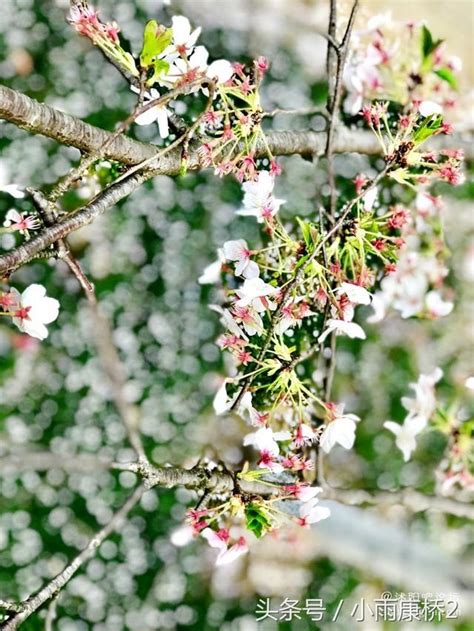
(221, 70)
(148, 117)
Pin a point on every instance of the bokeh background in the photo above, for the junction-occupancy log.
(145, 256)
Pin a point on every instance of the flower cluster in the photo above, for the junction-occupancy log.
(85, 20)
(233, 134)
(402, 136)
(169, 59)
(287, 296)
(398, 62)
(416, 285)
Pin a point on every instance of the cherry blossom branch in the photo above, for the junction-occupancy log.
(143, 170)
(102, 333)
(202, 479)
(298, 111)
(34, 602)
(48, 214)
(336, 60)
(39, 118)
(82, 217)
(10, 606)
(138, 110)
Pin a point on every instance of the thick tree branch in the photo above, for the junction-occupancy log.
(31, 604)
(200, 478)
(39, 118)
(410, 499)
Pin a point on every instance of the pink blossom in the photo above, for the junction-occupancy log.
(15, 221)
(304, 435)
(262, 64)
(360, 181)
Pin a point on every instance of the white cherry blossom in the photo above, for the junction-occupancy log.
(220, 70)
(359, 77)
(424, 403)
(222, 403)
(34, 311)
(266, 440)
(380, 303)
(258, 199)
(357, 295)
(158, 114)
(369, 199)
(406, 434)
(340, 430)
(14, 190)
(351, 329)
(306, 493)
(184, 38)
(228, 321)
(238, 251)
(255, 292)
(428, 108)
(436, 306)
(249, 318)
(292, 315)
(217, 539)
(212, 273)
(312, 512)
(234, 552)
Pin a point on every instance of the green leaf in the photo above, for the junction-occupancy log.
(430, 125)
(428, 46)
(257, 519)
(160, 67)
(155, 39)
(251, 476)
(302, 261)
(448, 76)
(310, 233)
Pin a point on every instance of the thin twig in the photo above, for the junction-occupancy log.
(115, 371)
(336, 61)
(51, 613)
(75, 220)
(298, 111)
(34, 602)
(413, 500)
